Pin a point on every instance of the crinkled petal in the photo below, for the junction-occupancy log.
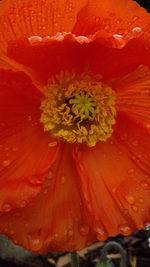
(24, 152)
(112, 16)
(115, 177)
(57, 220)
(100, 54)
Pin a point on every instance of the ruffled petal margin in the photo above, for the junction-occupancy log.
(101, 53)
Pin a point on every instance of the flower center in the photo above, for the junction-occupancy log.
(78, 108)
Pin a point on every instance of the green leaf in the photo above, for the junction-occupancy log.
(106, 263)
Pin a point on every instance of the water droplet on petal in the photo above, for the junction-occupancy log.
(82, 39)
(125, 229)
(6, 163)
(102, 235)
(35, 241)
(135, 208)
(14, 149)
(7, 148)
(131, 171)
(70, 233)
(63, 179)
(130, 199)
(34, 39)
(84, 230)
(53, 144)
(119, 40)
(23, 204)
(45, 191)
(145, 185)
(137, 30)
(6, 207)
(49, 175)
(114, 189)
(12, 232)
(141, 200)
(135, 18)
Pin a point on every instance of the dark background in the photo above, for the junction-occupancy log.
(144, 3)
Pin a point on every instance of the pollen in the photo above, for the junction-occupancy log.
(78, 108)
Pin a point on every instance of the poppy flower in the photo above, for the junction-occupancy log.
(74, 121)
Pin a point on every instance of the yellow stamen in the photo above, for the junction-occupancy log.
(78, 108)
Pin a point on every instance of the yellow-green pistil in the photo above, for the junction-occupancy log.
(78, 108)
(82, 103)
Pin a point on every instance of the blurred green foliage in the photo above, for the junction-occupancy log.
(144, 3)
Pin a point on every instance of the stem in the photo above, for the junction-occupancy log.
(116, 246)
(74, 259)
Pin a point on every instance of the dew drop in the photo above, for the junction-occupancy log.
(145, 185)
(137, 30)
(131, 171)
(29, 118)
(49, 175)
(82, 39)
(6, 163)
(23, 204)
(114, 189)
(6, 148)
(125, 229)
(135, 208)
(63, 179)
(84, 230)
(35, 242)
(120, 42)
(130, 199)
(12, 232)
(52, 144)
(70, 233)
(135, 18)
(34, 39)
(101, 235)
(45, 191)
(107, 27)
(14, 149)
(141, 200)
(6, 207)
(26, 225)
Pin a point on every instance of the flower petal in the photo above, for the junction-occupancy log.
(100, 54)
(57, 220)
(113, 16)
(133, 95)
(36, 18)
(115, 177)
(24, 152)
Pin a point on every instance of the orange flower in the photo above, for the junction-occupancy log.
(74, 121)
